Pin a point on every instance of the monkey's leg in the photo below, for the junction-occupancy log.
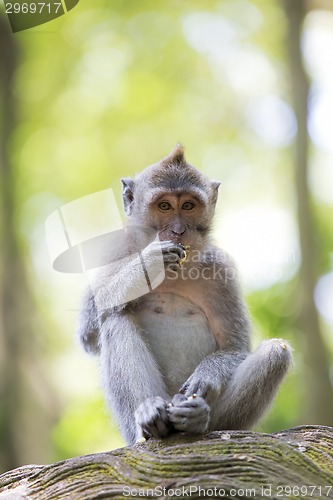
(252, 387)
(132, 380)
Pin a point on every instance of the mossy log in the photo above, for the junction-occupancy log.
(296, 463)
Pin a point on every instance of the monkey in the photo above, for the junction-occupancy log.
(178, 358)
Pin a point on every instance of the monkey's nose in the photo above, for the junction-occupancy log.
(179, 232)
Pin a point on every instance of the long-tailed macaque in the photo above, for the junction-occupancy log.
(178, 357)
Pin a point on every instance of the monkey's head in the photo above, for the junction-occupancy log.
(174, 198)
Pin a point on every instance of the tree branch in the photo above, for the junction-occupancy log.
(230, 461)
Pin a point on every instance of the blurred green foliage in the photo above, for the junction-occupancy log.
(83, 425)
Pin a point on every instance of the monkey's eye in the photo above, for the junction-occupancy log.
(188, 205)
(164, 205)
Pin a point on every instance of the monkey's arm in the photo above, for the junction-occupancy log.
(114, 286)
(127, 278)
(88, 325)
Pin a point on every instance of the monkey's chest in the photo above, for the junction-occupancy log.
(178, 334)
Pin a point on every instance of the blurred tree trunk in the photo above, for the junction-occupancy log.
(318, 389)
(25, 397)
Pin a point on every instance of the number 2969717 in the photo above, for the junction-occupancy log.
(32, 8)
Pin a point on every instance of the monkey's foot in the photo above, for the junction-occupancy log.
(152, 418)
(189, 414)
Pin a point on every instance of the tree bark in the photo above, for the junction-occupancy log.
(319, 391)
(289, 464)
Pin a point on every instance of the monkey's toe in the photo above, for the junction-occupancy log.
(152, 417)
(189, 415)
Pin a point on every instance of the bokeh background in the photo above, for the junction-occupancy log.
(112, 86)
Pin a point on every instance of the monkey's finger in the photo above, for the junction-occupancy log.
(175, 250)
(177, 399)
(159, 424)
(184, 402)
(189, 389)
(157, 429)
(197, 426)
(188, 406)
(181, 425)
(182, 256)
(153, 418)
(198, 388)
(163, 427)
(183, 388)
(173, 267)
(181, 252)
(171, 258)
(190, 419)
(198, 403)
(176, 414)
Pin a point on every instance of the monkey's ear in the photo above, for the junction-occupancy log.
(215, 190)
(128, 194)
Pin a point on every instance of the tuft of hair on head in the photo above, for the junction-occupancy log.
(176, 157)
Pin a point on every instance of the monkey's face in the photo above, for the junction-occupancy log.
(173, 198)
(181, 217)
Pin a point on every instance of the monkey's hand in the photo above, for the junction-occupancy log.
(203, 383)
(152, 418)
(173, 254)
(190, 414)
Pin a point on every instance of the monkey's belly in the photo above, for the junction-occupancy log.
(178, 334)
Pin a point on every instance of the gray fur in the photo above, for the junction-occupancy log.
(178, 358)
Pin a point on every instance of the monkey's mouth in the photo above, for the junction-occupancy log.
(165, 235)
(185, 243)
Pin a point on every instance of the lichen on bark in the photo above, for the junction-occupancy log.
(296, 463)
